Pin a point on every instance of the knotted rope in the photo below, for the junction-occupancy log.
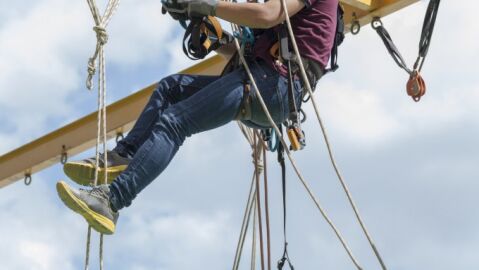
(101, 23)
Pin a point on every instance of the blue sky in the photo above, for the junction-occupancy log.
(412, 167)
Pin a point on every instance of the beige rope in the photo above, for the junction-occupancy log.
(101, 23)
(288, 152)
(326, 139)
(253, 239)
(245, 224)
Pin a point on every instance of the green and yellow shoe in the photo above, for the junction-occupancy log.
(83, 172)
(93, 205)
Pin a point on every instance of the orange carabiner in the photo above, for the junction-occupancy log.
(416, 87)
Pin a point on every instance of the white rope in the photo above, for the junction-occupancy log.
(101, 23)
(325, 135)
(288, 152)
(245, 224)
(253, 239)
(88, 239)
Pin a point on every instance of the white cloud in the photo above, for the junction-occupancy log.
(36, 232)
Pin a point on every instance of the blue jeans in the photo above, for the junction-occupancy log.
(183, 105)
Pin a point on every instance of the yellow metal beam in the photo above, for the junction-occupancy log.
(361, 4)
(80, 135)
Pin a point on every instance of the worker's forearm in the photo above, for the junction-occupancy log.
(247, 14)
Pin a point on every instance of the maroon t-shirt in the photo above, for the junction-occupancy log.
(314, 28)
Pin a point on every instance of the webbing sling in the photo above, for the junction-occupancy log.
(285, 258)
(416, 87)
(202, 36)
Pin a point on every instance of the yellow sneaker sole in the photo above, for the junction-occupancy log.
(84, 173)
(98, 222)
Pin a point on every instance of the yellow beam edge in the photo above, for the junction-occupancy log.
(81, 134)
(361, 4)
(121, 115)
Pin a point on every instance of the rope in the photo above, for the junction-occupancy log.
(245, 224)
(326, 139)
(292, 161)
(101, 22)
(266, 209)
(253, 240)
(258, 198)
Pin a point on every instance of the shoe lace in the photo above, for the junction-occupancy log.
(97, 192)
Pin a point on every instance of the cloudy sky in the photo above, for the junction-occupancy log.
(412, 167)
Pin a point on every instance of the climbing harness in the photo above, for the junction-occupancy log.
(416, 86)
(203, 34)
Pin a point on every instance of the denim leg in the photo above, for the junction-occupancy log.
(211, 107)
(169, 90)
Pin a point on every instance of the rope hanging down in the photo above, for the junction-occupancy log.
(416, 87)
(288, 152)
(326, 140)
(101, 23)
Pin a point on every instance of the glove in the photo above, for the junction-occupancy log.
(178, 16)
(199, 8)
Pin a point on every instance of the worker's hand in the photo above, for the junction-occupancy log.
(177, 12)
(198, 8)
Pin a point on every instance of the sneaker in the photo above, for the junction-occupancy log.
(83, 172)
(93, 205)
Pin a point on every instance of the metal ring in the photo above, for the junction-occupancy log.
(355, 27)
(64, 156)
(376, 23)
(119, 137)
(28, 179)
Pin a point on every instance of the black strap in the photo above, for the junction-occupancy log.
(194, 38)
(389, 43)
(338, 40)
(293, 109)
(427, 30)
(426, 36)
(285, 257)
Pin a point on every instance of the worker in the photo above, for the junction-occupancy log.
(183, 105)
